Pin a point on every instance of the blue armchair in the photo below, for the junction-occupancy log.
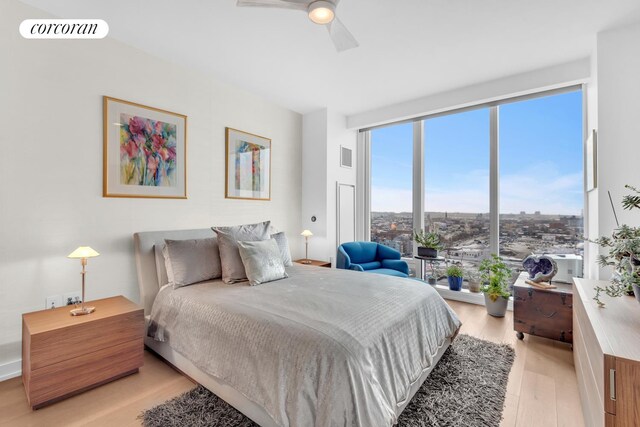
(371, 257)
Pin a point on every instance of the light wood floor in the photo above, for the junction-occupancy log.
(542, 389)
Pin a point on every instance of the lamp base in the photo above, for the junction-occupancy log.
(306, 261)
(82, 311)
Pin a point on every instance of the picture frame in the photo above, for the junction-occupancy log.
(591, 158)
(144, 151)
(248, 165)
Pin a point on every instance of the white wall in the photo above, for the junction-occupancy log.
(51, 164)
(574, 72)
(618, 123)
(324, 131)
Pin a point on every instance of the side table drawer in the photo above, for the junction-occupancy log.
(58, 345)
(62, 379)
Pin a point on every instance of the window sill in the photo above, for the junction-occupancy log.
(464, 295)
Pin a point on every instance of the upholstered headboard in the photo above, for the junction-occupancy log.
(144, 243)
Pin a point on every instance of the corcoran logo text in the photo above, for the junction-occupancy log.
(64, 29)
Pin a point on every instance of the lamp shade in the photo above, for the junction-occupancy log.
(306, 233)
(83, 252)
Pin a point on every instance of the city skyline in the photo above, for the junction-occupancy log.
(540, 160)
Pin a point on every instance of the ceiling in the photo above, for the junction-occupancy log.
(408, 48)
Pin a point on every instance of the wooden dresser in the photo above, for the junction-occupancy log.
(63, 355)
(543, 312)
(606, 354)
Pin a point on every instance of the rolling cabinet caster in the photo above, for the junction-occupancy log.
(520, 335)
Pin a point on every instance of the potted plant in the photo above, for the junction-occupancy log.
(428, 243)
(473, 280)
(495, 276)
(455, 276)
(623, 256)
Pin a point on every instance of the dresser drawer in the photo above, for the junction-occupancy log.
(545, 314)
(62, 379)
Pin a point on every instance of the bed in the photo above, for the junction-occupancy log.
(323, 347)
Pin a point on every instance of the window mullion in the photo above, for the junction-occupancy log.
(494, 182)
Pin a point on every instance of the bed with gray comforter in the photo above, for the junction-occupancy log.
(324, 347)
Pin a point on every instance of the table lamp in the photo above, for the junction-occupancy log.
(306, 234)
(83, 252)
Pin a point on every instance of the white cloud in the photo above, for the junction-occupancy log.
(537, 187)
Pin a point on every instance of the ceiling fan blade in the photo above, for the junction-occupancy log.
(342, 38)
(280, 4)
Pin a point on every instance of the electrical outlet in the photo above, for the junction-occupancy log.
(71, 298)
(53, 301)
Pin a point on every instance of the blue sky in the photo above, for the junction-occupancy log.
(540, 160)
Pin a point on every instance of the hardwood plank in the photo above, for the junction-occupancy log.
(539, 394)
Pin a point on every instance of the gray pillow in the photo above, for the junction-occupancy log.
(283, 245)
(161, 269)
(262, 261)
(232, 267)
(192, 261)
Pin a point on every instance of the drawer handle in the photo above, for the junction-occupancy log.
(548, 316)
(612, 384)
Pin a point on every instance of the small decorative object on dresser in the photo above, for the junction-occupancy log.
(83, 252)
(541, 310)
(313, 262)
(306, 234)
(248, 166)
(64, 355)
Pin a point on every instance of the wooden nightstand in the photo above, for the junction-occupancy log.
(314, 262)
(63, 355)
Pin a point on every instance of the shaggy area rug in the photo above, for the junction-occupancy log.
(466, 388)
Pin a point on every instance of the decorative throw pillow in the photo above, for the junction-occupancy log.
(283, 245)
(262, 261)
(192, 261)
(232, 267)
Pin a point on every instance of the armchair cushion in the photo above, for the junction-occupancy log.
(370, 265)
(396, 264)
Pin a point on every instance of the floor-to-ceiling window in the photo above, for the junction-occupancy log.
(456, 184)
(391, 187)
(541, 177)
(534, 204)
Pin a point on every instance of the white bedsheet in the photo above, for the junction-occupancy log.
(324, 347)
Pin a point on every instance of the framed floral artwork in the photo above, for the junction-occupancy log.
(145, 151)
(248, 166)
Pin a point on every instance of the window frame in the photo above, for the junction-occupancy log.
(364, 173)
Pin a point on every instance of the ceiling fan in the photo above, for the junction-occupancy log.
(322, 12)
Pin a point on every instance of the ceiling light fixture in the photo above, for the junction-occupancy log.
(322, 12)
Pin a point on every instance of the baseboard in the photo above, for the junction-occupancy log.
(10, 370)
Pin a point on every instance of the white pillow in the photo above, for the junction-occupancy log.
(262, 261)
(232, 267)
(283, 245)
(192, 261)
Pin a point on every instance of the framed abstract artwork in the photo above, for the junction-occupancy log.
(248, 170)
(145, 151)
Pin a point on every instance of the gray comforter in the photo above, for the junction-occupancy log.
(323, 347)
